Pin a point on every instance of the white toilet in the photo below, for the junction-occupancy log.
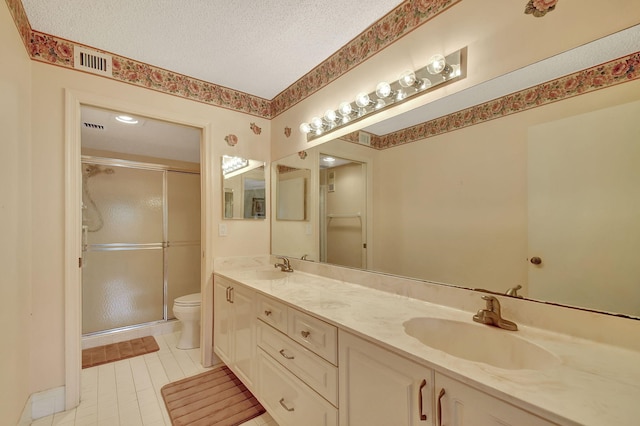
(187, 310)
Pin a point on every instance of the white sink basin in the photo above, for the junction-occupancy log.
(265, 275)
(480, 343)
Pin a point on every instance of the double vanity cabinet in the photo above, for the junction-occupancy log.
(308, 370)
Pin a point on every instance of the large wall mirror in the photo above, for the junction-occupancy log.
(243, 188)
(545, 201)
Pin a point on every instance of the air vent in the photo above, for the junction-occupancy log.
(93, 126)
(364, 138)
(92, 61)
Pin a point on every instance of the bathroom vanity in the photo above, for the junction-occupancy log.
(322, 351)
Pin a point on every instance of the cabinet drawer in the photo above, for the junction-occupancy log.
(314, 334)
(272, 312)
(320, 375)
(290, 401)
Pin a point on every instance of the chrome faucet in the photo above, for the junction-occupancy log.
(492, 316)
(285, 266)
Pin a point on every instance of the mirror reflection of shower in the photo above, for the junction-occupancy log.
(92, 220)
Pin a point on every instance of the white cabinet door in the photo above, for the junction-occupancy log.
(380, 388)
(243, 340)
(222, 320)
(460, 405)
(234, 328)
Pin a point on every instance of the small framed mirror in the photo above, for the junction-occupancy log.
(243, 188)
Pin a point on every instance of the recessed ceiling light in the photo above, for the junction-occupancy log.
(328, 159)
(126, 119)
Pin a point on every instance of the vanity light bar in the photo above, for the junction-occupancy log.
(438, 71)
(231, 164)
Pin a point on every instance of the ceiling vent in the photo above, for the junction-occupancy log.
(92, 61)
(93, 126)
(364, 138)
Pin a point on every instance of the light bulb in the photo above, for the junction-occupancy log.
(383, 89)
(305, 128)
(330, 116)
(436, 64)
(126, 119)
(380, 103)
(407, 79)
(345, 109)
(316, 123)
(362, 100)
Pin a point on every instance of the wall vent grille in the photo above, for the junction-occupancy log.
(364, 138)
(93, 126)
(92, 61)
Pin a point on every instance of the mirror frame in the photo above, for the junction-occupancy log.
(252, 165)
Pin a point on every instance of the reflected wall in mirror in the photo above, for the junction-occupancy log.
(243, 188)
(474, 207)
(292, 189)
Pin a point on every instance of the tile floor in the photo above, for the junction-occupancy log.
(127, 392)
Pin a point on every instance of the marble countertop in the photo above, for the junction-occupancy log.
(593, 384)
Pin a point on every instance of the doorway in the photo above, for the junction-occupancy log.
(140, 220)
(343, 207)
(74, 101)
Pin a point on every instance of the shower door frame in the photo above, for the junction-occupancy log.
(164, 245)
(73, 224)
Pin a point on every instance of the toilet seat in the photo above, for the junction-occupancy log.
(188, 300)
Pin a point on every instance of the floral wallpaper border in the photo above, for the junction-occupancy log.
(20, 18)
(591, 79)
(399, 22)
(396, 24)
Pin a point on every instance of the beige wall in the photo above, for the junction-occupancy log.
(499, 36)
(15, 213)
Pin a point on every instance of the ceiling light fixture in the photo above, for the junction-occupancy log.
(126, 119)
(438, 70)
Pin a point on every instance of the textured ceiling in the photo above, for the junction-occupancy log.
(254, 46)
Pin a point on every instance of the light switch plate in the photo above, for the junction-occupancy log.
(222, 229)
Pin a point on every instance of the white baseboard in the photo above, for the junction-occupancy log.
(43, 404)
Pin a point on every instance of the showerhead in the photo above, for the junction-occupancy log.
(90, 170)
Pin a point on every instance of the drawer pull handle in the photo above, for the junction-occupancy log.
(285, 355)
(442, 392)
(305, 333)
(284, 405)
(267, 312)
(423, 416)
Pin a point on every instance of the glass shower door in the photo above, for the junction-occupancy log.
(123, 228)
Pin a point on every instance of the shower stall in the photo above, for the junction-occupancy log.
(141, 242)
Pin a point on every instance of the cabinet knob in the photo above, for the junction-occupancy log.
(305, 333)
(267, 312)
(536, 260)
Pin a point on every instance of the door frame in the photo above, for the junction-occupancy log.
(73, 226)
